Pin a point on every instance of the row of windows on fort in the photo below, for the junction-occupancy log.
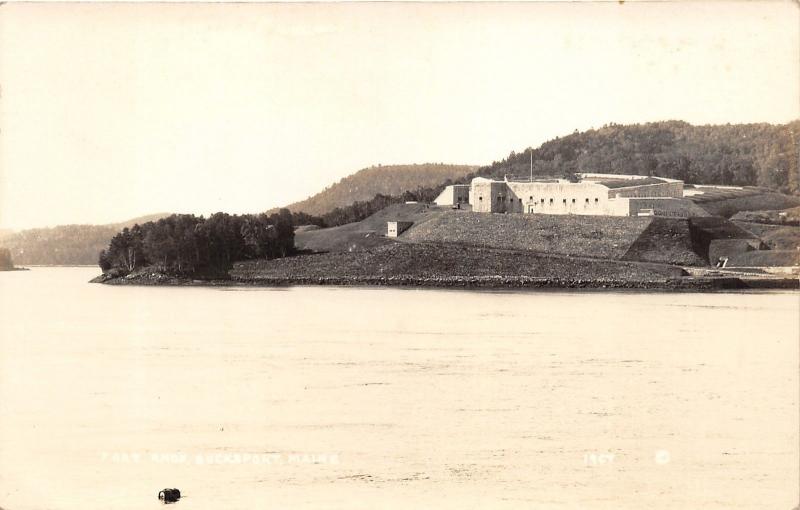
(500, 199)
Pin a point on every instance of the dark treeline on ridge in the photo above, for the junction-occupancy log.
(762, 155)
(193, 245)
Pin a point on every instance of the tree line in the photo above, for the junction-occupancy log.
(763, 155)
(193, 245)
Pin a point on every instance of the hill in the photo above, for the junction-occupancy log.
(379, 180)
(65, 245)
(761, 158)
(762, 155)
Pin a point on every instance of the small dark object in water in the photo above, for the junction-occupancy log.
(169, 495)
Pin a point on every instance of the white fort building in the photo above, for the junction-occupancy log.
(592, 194)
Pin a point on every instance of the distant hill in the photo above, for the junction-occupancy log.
(65, 245)
(762, 155)
(384, 180)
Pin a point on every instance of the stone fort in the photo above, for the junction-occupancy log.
(589, 194)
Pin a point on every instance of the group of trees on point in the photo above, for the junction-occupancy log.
(189, 244)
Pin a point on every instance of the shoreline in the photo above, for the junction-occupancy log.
(677, 284)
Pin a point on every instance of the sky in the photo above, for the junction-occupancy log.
(111, 111)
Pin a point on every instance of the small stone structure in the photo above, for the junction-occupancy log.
(395, 228)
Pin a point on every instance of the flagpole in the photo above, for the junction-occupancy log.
(531, 166)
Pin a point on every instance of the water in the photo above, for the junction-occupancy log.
(394, 398)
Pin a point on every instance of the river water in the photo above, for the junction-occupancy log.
(369, 398)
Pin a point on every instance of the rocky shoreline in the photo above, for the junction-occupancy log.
(465, 282)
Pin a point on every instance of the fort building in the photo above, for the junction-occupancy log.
(589, 194)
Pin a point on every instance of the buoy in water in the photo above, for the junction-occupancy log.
(169, 495)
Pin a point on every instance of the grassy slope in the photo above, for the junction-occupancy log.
(665, 240)
(774, 217)
(766, 201)
(657, 240)
(363, 234)
(396, 259)
(386, 180)
(777, 237)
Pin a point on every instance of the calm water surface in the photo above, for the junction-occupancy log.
(388, 398)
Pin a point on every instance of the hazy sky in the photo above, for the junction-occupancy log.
(113, 111)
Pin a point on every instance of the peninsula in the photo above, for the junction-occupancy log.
(709, 221)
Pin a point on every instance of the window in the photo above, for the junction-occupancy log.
(520, 200)
(587, 200)
(543, 200)
(530, 199)
(565, 201)
(499, 199)
(596, 200)
(551, 201)
(573, 200)
(480, 199)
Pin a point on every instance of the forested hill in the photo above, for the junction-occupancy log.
(383, 180)
(734, 154)
(65, 244)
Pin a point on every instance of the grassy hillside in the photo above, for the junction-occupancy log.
(384, 180)
(665, 240)
(756, 201)
(367, 233)
(658, 240)
(776, 237)
(602, 237)
(397, 260)
(789, 216)
(65, 244)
